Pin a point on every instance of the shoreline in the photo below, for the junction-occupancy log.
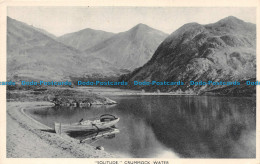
(23, 131)
(108, 91)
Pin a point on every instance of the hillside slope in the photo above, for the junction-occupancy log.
(34, 55)
(222, 51)
(84, 39)
(130, 49)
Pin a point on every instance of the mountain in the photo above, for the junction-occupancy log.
(34, 55)
(84, 39)
(222, 51)
(45, 32)
(130, 49)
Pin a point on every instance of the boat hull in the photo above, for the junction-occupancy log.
(77, 127)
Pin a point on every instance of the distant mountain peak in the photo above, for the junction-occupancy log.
(232, 25)
(85, 38)
(140, 27)
(129, 49)
(90, 30)
(230, 20)
(191, 25)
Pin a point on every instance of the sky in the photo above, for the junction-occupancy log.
(63, 20)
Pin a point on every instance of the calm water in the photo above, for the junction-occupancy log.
(171, 126)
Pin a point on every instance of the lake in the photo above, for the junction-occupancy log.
(171, 126)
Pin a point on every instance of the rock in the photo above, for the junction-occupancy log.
(100, 148)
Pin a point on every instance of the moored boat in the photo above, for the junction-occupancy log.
(105, 121)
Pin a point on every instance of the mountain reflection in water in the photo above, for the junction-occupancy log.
(172, 126)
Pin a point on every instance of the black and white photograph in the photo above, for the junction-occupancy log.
(131, 82)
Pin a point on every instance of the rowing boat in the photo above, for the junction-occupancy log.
(105, 121)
